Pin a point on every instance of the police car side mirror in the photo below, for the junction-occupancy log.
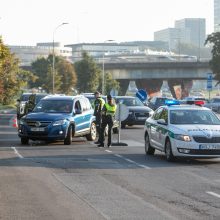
(161, 122)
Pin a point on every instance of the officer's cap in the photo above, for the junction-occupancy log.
(109, 97)
(97, 93)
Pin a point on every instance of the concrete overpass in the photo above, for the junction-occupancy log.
(150, 75)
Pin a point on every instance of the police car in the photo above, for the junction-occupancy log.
(183, 131)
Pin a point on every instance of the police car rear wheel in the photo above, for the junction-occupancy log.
(92, 134)
(168, 152)
(149, 150)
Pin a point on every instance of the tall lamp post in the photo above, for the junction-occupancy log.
(53, 65)
(103, 68)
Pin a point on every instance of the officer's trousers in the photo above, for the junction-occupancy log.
(107, 120)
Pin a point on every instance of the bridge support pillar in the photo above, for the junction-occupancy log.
(123, 85)
(180, 88)
(152, 86)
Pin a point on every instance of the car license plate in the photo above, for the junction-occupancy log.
(208, 147)
(37, 129)
(141, 118)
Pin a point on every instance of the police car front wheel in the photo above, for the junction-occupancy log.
(168, 151)
(149, 150)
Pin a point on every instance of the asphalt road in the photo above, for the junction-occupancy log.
(81, 181)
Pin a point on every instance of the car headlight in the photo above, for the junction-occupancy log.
(130, 113)
(60, 122)
(182, 137)
(151, 113)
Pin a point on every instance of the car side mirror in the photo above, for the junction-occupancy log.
(161, 122)
(78, 111)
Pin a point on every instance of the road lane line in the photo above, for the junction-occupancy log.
(17, 153)
(133, 162)
(108, 151)
(214, 194)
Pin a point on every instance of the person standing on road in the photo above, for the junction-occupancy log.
(108, 114)
(98, 105)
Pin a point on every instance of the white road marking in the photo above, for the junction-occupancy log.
(133, 162)
(108, 151)
(17, 153)
(214, 194)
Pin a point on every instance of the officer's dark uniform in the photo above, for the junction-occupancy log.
(98, 105)
(108, 113)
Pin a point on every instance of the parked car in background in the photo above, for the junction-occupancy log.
(138, 112)
(214, 104)
(155, 102)
(57, 118)
(27, 102)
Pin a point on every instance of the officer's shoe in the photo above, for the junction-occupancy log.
(101, 145)
(97, 142)
(109, 145)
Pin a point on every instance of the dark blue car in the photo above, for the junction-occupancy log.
(57, 118)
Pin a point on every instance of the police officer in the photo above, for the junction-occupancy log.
(98, 105)
(108, 114)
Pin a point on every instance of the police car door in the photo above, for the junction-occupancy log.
(79, 117)
(162, 129)
(154, 127)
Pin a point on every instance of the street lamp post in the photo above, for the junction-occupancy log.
(103, 68)
(53, 65)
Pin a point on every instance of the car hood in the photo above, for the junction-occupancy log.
(46, 116)
(197, 130)
(139, 108)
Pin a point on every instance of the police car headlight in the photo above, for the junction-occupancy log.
(182, 137)
(151, 113)
(60, 122)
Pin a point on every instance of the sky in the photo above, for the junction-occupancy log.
(26, 22)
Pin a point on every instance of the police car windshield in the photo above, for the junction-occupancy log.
(204, 117)
(54, 106)
(129, 101)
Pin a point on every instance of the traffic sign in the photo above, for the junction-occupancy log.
(142, 95)
(121, 112)
(209, 81)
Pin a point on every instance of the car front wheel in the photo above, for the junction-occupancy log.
(24, 140)
(149, 150)
(168, 151)
(68, 138)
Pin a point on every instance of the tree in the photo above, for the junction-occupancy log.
(110, 83)
(88, 74)
(214, 39)
(64, 77)
(12, 78)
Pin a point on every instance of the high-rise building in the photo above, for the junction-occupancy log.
(216, 15)
(173, 36)
(196, 28)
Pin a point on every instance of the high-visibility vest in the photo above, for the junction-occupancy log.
(110, 109)
(102, 102)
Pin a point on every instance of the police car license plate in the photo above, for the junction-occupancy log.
(37, 129)
(209, 147)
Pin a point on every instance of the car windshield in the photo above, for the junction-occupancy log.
(206, 117)
(54, 106)
(129, 101)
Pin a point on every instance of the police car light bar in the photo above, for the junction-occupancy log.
(172, 102)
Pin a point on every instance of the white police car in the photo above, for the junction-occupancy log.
(183, 131)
